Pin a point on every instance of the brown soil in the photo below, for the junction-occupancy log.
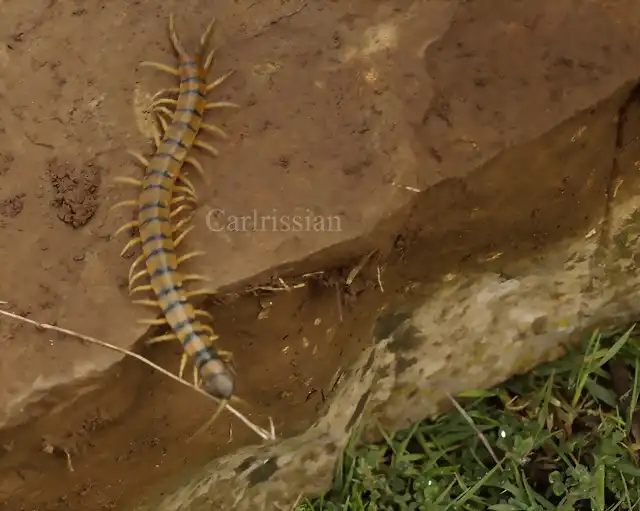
(126, 435)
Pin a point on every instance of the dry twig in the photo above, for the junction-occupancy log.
(482, 438)
(264, 434)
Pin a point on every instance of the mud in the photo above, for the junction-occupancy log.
(447, 138)
(75, 191)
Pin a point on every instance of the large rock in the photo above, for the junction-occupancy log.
(517, 122)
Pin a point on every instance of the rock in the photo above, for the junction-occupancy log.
(523, 144)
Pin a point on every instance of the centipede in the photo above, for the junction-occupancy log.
(166, 193)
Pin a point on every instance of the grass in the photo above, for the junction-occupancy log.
(563, 437)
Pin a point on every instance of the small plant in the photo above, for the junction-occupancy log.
(562, 437)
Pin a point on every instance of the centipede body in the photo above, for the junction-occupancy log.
(165, 186)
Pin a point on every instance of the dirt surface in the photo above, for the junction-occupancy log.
(347, 111)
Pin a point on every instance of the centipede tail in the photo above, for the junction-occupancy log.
(167, 195)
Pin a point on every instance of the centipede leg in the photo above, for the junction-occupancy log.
(220, 104)
(196, 377)
(128, 226)
(196, 165)
(168, 90)
(205, 147)
(130, 244)
(179, 239)
(209, 60)
(137, 276)
(203, 313)
(183, 364)
(176, 212)
(128, 181)
(189, 256)
(187, 182)
(179, 225)
(162, 338)
(188, 191)
(138, 156)
(211, 334)
(179, 199)
(193, 277)
(200, 292)
(134, 265)
(124, 203)
(163, 122)
(148, 303)
(141, 288)
(163, 101)
(219, 81)
(156, 133)
(163, 110)
(161, 67)
(212, 128)
(153, 322)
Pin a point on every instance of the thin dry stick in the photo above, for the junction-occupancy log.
(483, 439)
(339, 300)
(264, 434)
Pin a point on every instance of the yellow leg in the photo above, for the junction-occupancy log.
(209, 331)
(127, 181)
(153, 322)
(163, 122)
(138, 156)
(168, 90)
(130, 244)
(209, 60)
(137, 276)
(161, 67)
(203, 313)
(156, 133)
(183, 363)
(184, 179)
(179, 239)
(212, 128)
(181, 223)
(188, 191)
(162, 338)
(177, 199)
(135, 264)
(163, 101)
(141, 288)
(149, 303)
(196, 377)
(218, 81)
(128, 226)
(194, 277)
(220, 104)
(164, 110)
(124, 203)
(179, 210)
(206, 147)
(200, 292)
(196, 165)
(190, 255)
